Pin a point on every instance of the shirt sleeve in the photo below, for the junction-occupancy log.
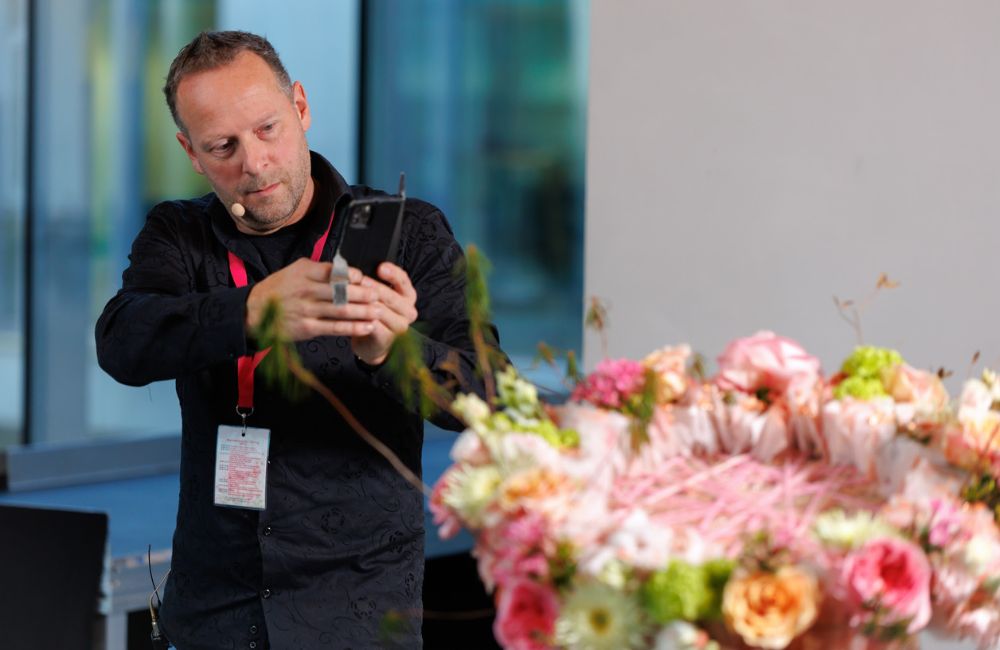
(158, 326)
(434, 261)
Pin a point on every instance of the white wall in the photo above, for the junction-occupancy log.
(749, 160)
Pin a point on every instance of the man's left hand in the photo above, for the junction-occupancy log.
(396, 310)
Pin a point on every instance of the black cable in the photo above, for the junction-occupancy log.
(152, 580)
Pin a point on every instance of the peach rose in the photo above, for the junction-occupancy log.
(670, 364)
(768, 610)
(906, 384)
(531, 489)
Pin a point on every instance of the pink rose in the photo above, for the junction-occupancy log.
(526, 616)
(766, 361)
(889, 578)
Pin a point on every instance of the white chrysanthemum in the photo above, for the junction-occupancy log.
(472, 410)
(598, 617)
(850, 531)
(471, 490)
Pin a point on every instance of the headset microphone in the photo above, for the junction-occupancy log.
(238, 210)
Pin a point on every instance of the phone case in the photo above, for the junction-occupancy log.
(371, 234)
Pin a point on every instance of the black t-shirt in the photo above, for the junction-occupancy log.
(277, 248)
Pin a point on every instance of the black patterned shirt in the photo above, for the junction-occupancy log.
(335, 560)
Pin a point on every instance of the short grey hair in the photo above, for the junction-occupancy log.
(211, 50)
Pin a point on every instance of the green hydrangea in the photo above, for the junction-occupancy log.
(869, 361)
(864, 388)
(865, 368)
(681, 591)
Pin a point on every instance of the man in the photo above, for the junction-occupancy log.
(329, 553)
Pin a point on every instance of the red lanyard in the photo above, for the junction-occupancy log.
(246, 365)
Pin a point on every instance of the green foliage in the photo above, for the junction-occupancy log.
(642, 406)
(596, 317)
(573, 372)
(276, 366)
(984, 489)
(406, 365)
(562, 566)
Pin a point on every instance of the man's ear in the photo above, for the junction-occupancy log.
(189, 150)
(301, 105)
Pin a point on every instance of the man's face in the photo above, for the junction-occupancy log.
(247, 136)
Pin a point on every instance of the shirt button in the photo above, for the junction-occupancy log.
(267, 531)
(253, 644)
(253, 629)
(266, 593)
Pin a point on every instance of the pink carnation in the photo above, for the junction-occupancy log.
(891, 578)
(514, 549)
(766, 361)
(611, 384)
(526, 616)
(945, 523)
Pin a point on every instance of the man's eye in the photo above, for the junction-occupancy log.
(223, 148)
(267, 128)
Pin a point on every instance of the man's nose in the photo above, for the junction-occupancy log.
(254, 156)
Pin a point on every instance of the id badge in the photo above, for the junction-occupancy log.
(241, 467)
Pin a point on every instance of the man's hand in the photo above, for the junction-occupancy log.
(303, 290)
(396, 307)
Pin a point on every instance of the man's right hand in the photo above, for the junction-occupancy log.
(303, 292)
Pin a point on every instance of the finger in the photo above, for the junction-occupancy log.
(320, 327)
(323, 292)
(397, 277)
(395, 322)
(316, 271)
(351, 311)
(403, 305)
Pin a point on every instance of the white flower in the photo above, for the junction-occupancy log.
(850, 531)
(520, 397)
(637, 541)
(681, 635)
(614, 574)
(993, 383)
(470, 490)
(472, 410)
(981, 554)
(469, 448)
(598, 617)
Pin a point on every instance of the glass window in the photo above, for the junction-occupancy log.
(482, 104)
(13, 186)
(105, 153)
(100, 149)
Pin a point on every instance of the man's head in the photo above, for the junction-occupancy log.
(242, 123)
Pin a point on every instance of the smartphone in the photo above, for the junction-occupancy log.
(371, 234)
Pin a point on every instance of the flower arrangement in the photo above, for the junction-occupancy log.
(766, 506)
